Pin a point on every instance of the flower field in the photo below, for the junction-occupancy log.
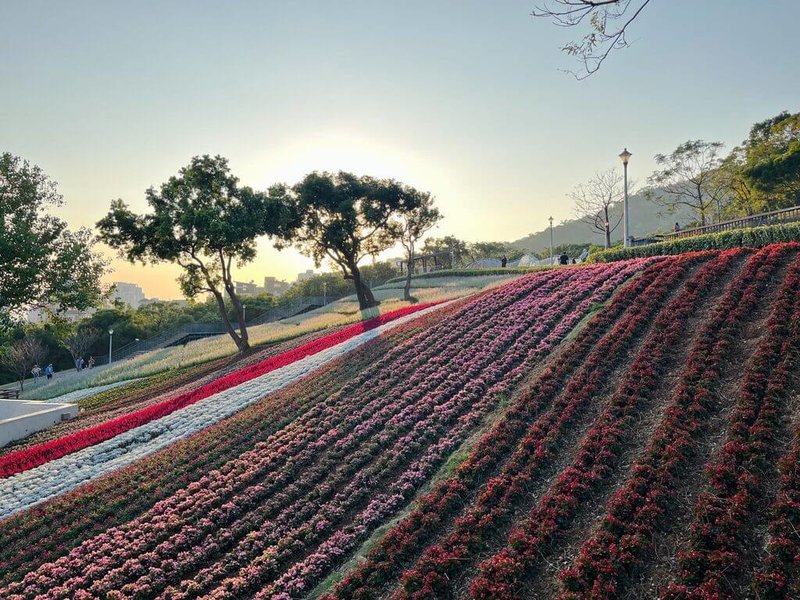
(622, 429)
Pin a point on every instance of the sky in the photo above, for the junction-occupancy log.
(467, 99)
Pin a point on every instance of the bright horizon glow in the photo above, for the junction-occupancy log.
(464, 100)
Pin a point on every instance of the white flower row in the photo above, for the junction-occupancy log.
(26, 489)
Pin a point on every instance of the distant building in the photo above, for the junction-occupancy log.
(275, 286)
(40, 315)
(308, 274)
(247, 289)
(128, 293)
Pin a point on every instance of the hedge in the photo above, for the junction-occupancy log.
(753, 237)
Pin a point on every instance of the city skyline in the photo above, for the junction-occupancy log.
(463, 100)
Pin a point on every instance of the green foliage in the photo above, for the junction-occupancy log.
(754, 237)
(41, 261)
(772, 160)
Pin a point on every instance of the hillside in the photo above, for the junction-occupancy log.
(646, 218)
(621, 430)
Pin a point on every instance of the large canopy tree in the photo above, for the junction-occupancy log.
(42, 263)
(205, 222)
(344, 218)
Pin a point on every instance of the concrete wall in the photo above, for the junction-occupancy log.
(21, 418)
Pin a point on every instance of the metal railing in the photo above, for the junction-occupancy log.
(786, 215)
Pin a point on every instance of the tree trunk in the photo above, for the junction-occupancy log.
(607, 228)
(240, 344)
(365, 298)
(237, 307)
(407, 288)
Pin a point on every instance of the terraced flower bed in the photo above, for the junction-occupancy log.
(622, 429)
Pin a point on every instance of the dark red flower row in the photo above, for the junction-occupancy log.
(780, 576)
(625, 534)
(737, 474)
(501, 576)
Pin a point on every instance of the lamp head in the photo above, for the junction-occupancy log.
(110, 332)
(625, 156)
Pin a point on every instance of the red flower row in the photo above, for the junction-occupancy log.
(625, 533)
(29, 458)
(737, 475)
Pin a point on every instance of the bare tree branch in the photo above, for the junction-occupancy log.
(607, 21)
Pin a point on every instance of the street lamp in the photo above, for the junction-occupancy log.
(551, 240)
(110, 341)
(324, 293)
(244, 314)
(626, 233)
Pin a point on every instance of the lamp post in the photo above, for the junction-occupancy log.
(110, 342)
(551, 240)
(244, 315)
(626, 233)
(324, 293)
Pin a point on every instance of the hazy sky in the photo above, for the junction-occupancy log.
(463, 98)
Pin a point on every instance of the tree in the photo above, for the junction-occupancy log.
(607, 22)
(204, 221)
(687, 179)
(80, 341)
(345, 218)
(415, 223)
(772, 160)
(42, 263)
(594, 199)
(458, 249)
(20, 357)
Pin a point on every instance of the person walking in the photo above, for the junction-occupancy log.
(503, 261)
(36, 371)
(677, 228)
(90, 364)
(79, 363)
(48, 371)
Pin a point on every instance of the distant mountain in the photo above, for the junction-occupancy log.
(645, 217)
